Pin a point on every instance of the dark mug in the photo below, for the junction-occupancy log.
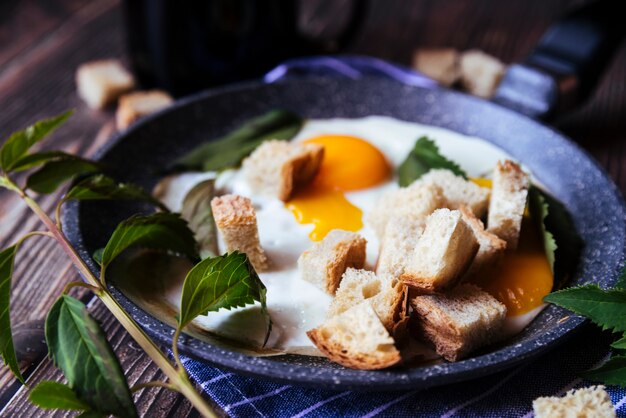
(187, 45)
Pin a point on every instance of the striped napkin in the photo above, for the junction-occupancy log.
(505, 394)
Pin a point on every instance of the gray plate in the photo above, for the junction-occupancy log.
(571, 175)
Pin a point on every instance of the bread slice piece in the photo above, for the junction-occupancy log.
(418, 201)
(591, 402)
(480, 73)
(100, 83)
(508, 202)
(440, 64)
(325, 262)
(443, 253)
(278, 168)
(357, 339)
(457, 191)
(491, 248)
(459, 321)
(132, 106)
(236, 220)
(399, 240)
(385, 293)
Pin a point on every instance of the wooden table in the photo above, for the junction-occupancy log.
(43, 41)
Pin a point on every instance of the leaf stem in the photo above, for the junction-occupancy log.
(153, 384)
(178, 380)
(175, 337)
(71, 285)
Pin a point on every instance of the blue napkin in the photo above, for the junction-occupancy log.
(506, 394)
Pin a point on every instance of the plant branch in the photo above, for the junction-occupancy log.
(71, 285)
(181, 368)
(153, 384)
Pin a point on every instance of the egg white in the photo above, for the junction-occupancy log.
(296, 305)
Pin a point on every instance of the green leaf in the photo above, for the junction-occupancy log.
(197, 211)
(613, 372)
(97, 256)
(606, 308)
(227, 281)
(229, 150)
(54, 173)
(7, 350)
(424, 157)
(101, 187)
(620, 344)
(558, 222)
(53, 395)
(539, 211)
(80, 349)
(20, 142)
(165, 231)
(39, 158)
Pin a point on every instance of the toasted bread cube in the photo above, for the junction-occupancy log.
(278, 168)
(400, 239)
(491, 248)
(508, 202)
(357, 339)
(133, 106)
(460, 321)
(591, 402)
(418, 201)
(236, 220)
(440, 64)
(480, 73)
(443, 253)
(385, 293)
(102, 82)
(325, 262)
(457, 191)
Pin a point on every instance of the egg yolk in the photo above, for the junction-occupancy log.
(524, 276)
(349, 164)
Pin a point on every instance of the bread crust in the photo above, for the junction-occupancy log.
(491, 248)
(133, 106)
(101, 82)
(236, 220)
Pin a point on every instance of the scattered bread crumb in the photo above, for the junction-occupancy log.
(491, 248)
(591, 402)
(440, 64)
(508, 202)
(236, 220)
(386, 294)
(325, 262)
(134, 105)
(480, 73)
(277, 168)
(100, 83)
(459, 321)
(443, 253)
(357, 339)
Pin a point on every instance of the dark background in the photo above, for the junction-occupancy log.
(43, 41)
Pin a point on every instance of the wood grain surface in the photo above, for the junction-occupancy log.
(43, 41)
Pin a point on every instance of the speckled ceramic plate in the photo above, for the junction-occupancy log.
(566, 170)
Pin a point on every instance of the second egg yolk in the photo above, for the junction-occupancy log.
(349, 164)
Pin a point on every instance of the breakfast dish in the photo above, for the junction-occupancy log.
(336, 240)
(586, 192)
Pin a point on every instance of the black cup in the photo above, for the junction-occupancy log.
(188, 45)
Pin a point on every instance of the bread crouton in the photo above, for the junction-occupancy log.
(440, 64)
(443, 253)
(325, 262)
(480, 73)
(278, 168)
(100, 83)
(236, 220)
(133, 106)
(398, 242)
(491, 248)
(357, 339)
(385, 293)
(591, 402)
(457, 191)
(460, 321)
(417, 200)
(508, 202)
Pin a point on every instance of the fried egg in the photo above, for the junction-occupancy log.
(361, 156)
